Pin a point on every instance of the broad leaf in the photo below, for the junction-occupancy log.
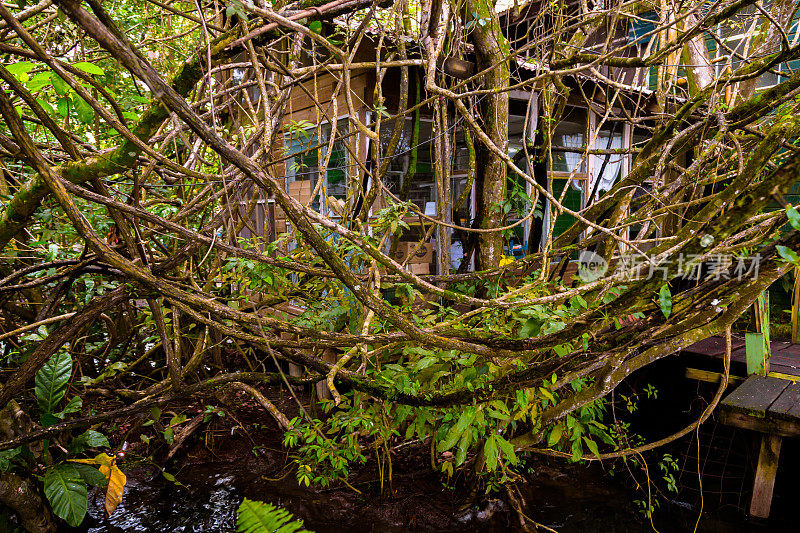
(20, 70)
(66, 491)
(463, 447)
(84, 111)
(490, 452)
(7, 456)
(62, 107)
(794, 217)
(91, 475)
(89, 439)
(555, 436)
(592, 445)
(51, 381)
(456, 430)
(788, 254)
(89, 68)
(116, 486)
(61, 87)
(260, 517)
(74, 405)
(665, 300)
(508, 450)
(40, 80)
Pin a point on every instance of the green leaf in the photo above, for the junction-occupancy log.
(20, 70)
(40, 80)
(260, 517)
(66, 491)
(577, 450)
(555, 436)
(73, 406)
(89, 439)
(490, 452)
(51, 381)
(464, 421)
(91, 475)
(235, 7)
(788, 254)
(63, 106)
(793, 216)
(508, 450)
(530, 328)
(47, 106)
(547, 394)
(139, 99)
(90, 68)
(592, 445)
(315, 26)
(84, 111)
(7, 456)
(665, 300)
(60, 85)
(463, 447)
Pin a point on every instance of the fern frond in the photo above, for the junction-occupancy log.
(260, 517)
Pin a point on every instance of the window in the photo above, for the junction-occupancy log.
(569, 140)
(422, 189)
(306, 149)
(606, 169)
(737, 35)
(568, 165)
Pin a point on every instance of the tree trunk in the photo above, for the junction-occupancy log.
(491, 49)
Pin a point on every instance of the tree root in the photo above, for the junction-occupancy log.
(20, 495)
(517, 502)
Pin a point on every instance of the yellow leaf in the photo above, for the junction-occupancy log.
(116, 486)
(100, 459)
(546, 393)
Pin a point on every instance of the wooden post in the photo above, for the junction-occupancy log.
(765, 476)
(761, 308)
(754, 353)
(323, 392)
(795, 305)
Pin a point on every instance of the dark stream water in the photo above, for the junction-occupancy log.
(574, 498)
(566, 498)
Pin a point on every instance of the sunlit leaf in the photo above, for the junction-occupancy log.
(116, 486)
(39, 81)
(20, 70)
(90, 68)
(60, 85)
(84, 111)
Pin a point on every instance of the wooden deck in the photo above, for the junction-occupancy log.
(768, 404)
(765, 404)
(785, 358)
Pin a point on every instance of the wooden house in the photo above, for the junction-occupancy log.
(320, 171)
